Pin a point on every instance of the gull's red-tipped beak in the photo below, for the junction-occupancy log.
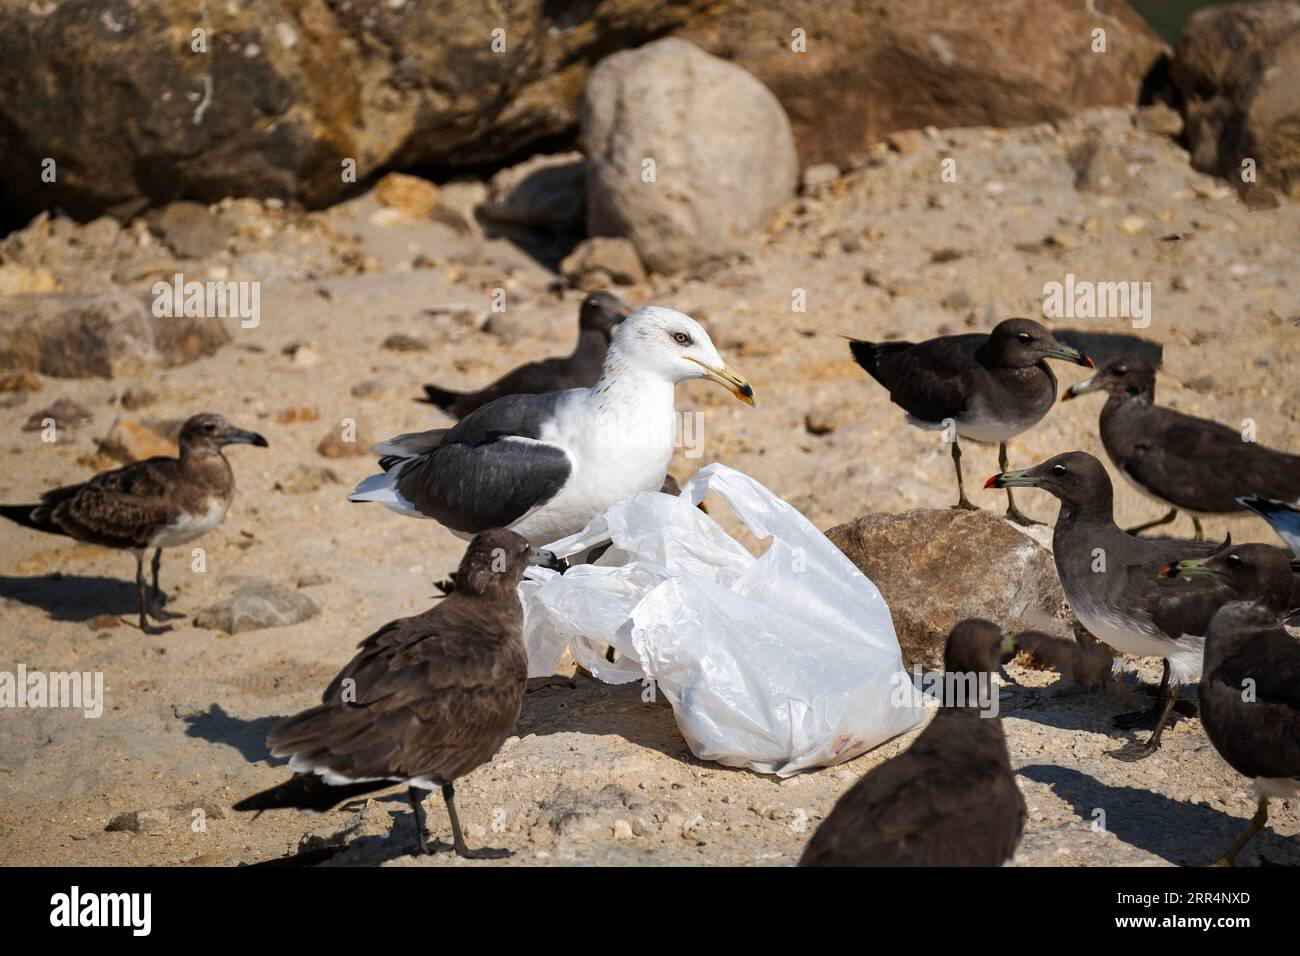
(995, 481)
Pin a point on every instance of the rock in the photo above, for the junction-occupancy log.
(1159, 118)
(544, 192)
(818, 174)
(137, 397)
(111, 334)
(723, 156)
(869, 69)
(936, 567)
(312, 579)
(20, 381)
(285, 94)
(305, 479)
(147, 822)
(104, 622)
(601, 261)
(19, 280)
(191, 229)
(1237, 68)
(256, 605)
(401, 342)
(297, 413)
(1099, 166)
(129, 440)
(65, 413)
(816, 423)
(335, 444)
(458, 204)
(906, 142)
(410, 195)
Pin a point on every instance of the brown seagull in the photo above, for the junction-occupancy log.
(948, 800)
(154, 503)
(426, 699)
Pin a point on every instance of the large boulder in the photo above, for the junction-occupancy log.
(1238, 68)
(115, 93)
(937, 567)
(688, 155)
(868, 69)
(108, 335)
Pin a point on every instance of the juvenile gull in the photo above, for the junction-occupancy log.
(599, 315)
(1113, 581)
(948, 800)
(1191, 463)
(155, 503)
(426, 699)
(992, 387)
(545, 465)
(1282, 518)
(1258, 734)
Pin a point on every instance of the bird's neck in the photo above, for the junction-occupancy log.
(623, 385)
(590, 342)
(205, 463)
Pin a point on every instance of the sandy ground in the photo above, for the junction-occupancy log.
(187, 711)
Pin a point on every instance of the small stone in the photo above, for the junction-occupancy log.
(1132, 225)
(191, 229)
(817, 424)
(410, 195)
(370, 388)
(297, 413)
(958, 299)
(302, 354)
(148, 822)
(335, 445)
(129, 440)
(401, 342)
(256, 605)
(622, 830)
(313, 579)
(104, 622)
(65, 413)
(602, 260)
(305, 479)
(137, 397)
(906, 142)
(818, 175)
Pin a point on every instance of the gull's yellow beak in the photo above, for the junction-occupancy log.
(729, 379)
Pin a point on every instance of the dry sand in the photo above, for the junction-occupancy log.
(187, 711)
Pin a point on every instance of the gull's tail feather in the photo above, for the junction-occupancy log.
(870, 354)
(441, 397)
(1282, 517)
(36, 517)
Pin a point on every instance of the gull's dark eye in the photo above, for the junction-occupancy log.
(1121, 369)
(682, 338)
(1058, 469)
(1025, 337)
(209, 427)
(1234, 561)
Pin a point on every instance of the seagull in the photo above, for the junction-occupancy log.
(948, 800)
(988, 388)
(1250, 705)
(425, 700)
(1282, 518)
(1113, 581)
(545, 465)
(1190, 463)
(154, 503)
(599, 315)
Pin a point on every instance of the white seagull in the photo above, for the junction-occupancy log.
(545, 465)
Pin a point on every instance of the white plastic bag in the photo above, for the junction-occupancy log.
(779, 663)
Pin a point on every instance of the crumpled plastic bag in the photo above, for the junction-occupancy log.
(778, 663)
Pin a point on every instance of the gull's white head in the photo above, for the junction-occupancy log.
(673, 345)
